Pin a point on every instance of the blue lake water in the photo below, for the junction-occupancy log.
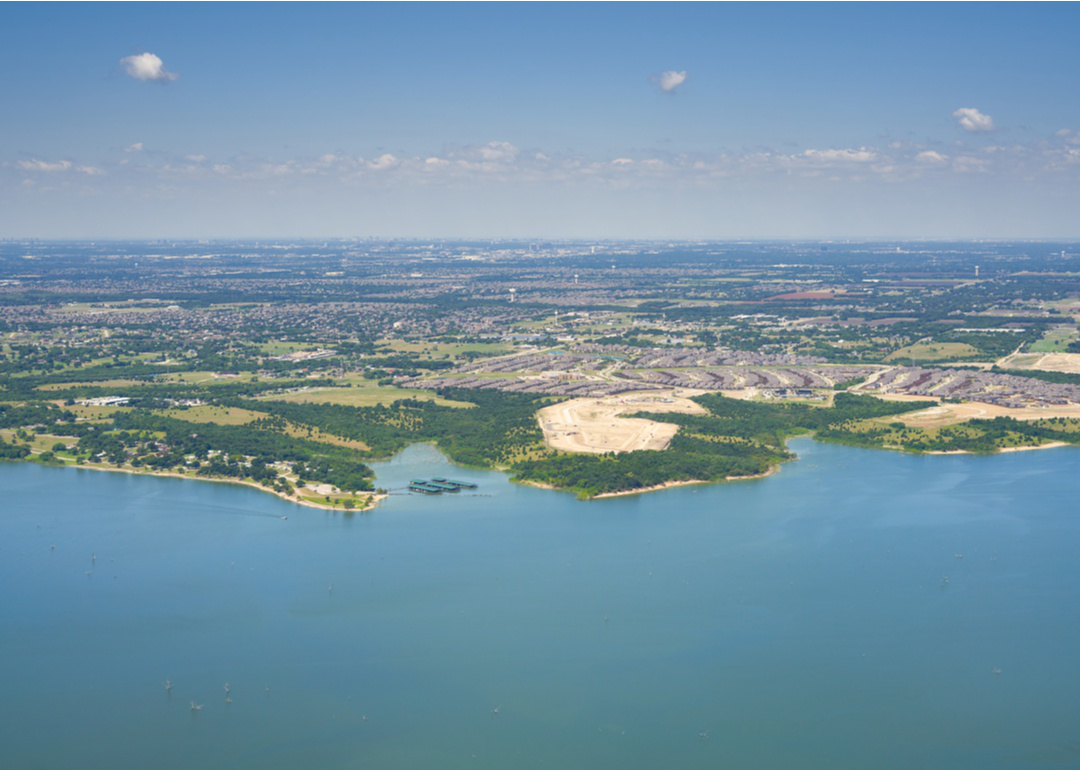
(859, 609)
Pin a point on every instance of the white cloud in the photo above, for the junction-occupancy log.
(1070, 137)
(861, 155)
(931, 158)
(670, 80)
(43, 165)
(501, 151)
(386, 160)
(147, 66)
(137, 147)
(90, 170)
(972, 120)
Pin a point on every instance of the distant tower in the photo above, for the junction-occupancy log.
(976, 271)
(512, 292)
(575, 279)
(593, 250)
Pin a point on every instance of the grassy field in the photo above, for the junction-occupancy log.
(1054, 341)
(933, 351)
(123, 306)
(447, 349)
(280, 348)
(39, 442)
(205, 378)
(220, 415)
(367, 394)
(94, 384)
(84, 412)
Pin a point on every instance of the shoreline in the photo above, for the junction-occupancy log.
(655, 487)
(671, 484)
(374, 498)
(1000, 450)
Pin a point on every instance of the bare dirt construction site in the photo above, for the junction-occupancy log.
(596, 425)
(1050, 362)
(944, 414)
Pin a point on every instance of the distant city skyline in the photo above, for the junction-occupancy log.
(637, 121)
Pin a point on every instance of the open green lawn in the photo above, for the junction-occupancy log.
(1054, 341)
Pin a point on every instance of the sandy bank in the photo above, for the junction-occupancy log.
(374, 499)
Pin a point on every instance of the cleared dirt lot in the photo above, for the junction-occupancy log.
(1057, 362)
(595, 424)
(950, 414)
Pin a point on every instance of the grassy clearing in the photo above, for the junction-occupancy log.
(1054, 341)
(84, 412)
(206, 378)
(933, 351)
(297, 430)
(365, 395)
(446, 349)
(337, 500)
(123, 306)
(38, 442)
(282, 347)
(219, 415)
(94, 384)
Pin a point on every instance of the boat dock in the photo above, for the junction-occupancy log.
(458, 484)
(423, 487)
(437, 486)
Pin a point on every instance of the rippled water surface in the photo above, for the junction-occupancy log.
(859, 609)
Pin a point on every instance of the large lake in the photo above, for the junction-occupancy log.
(859, 609)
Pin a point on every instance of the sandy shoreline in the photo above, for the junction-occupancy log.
(1050, 445)
(655, 487)
(688, 482)
(374, 498)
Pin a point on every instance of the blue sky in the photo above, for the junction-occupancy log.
(562, 120)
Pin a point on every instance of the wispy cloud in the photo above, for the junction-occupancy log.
(860, 155)
(670, 80)
(44, 166)
(495, 163)
(147, 67)
(972, 120)
(931, 158)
